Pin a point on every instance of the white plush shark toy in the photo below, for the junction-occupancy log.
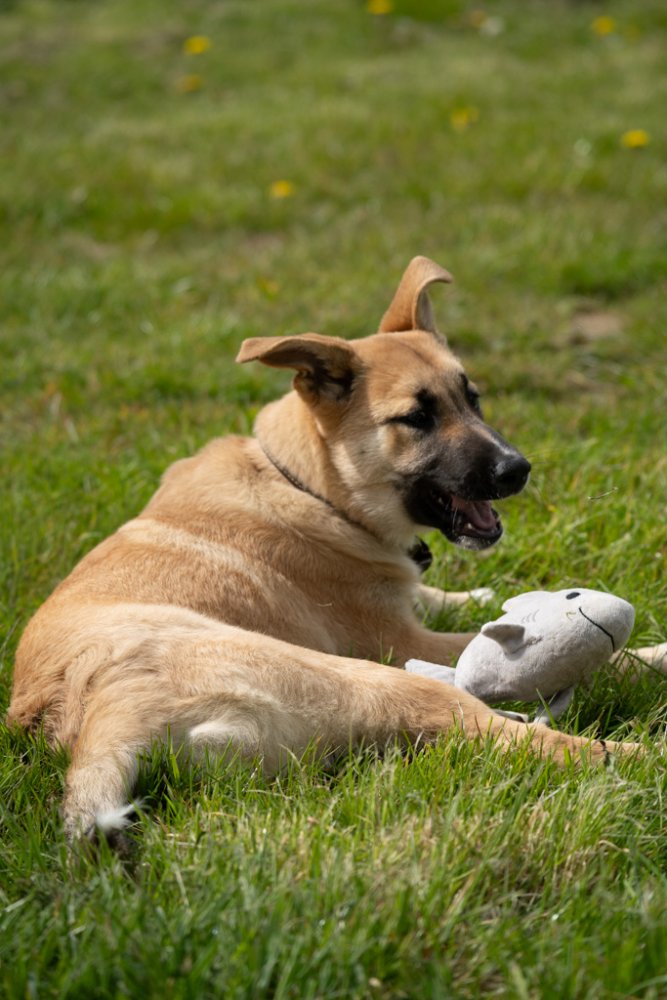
(545, 644)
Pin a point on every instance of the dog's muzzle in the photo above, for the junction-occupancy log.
(462, 509)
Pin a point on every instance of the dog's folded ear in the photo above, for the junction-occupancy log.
(326, 366)
(411, 308)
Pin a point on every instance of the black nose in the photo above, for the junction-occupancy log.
(511, 474)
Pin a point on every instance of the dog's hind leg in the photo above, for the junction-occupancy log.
(269, 702)
(114, 735)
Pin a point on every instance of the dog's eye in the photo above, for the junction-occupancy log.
(572, 595)
(420, 419)
(471, 394)
(473, 397)
(422, 416)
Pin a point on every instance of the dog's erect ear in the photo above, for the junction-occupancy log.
(326, 366)
(410, 308)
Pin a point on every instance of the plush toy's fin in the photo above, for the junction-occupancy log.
(530, 597)
(555, 706)
(510, 635)
(517, 716)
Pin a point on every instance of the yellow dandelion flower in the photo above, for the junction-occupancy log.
(461, 118)
(281, 189)
(268, 286)
(196, 44)
(635, 138)
(379, 6)
(603, 25)
(190, 83)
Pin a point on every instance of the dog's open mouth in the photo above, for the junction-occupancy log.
(472, 524)
(476, 519)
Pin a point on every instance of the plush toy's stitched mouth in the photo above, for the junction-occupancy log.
(601, 627)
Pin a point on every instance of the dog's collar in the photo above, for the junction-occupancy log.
(419, 552)
(294, 481)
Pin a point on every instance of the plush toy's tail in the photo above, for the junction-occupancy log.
(435, 671)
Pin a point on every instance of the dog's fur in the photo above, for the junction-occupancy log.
(245, 609)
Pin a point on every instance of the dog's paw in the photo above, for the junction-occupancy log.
(108, 824)
(432, 600)
(654, 656)
(482, 595)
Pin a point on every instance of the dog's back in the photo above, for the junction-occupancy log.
(226, 537)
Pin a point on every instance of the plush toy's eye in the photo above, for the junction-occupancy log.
(572, 594)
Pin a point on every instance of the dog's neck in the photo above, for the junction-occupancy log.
(291, 441)
(419, 551)
(286, 431)
(299, 485)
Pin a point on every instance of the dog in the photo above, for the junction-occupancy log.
(246, 610)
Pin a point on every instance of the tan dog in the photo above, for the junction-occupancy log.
(227, 614)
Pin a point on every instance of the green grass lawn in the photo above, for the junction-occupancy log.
(159, 205)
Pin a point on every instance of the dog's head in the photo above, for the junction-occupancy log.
(401, 422)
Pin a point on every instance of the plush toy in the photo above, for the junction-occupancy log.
(544, 644)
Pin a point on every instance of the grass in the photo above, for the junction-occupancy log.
(144, 242)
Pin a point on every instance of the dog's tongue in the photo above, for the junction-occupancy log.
(478, 513)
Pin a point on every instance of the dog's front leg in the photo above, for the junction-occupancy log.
(432, 600)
